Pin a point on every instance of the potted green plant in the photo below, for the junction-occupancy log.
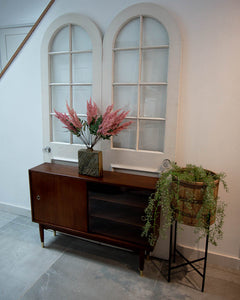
(188, 195)
(91, 130)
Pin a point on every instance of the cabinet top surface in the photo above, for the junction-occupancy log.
(108, 177)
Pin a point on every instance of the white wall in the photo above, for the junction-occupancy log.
(208, 125)
(15, 12)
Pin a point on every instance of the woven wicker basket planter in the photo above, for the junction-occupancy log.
(190, 201)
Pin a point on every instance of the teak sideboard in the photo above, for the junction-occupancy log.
(107, 209)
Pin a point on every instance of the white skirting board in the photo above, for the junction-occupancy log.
(190, 253)
(21, 211)
(212, 258)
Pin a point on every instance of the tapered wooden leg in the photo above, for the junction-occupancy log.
(141, 261)
(41, 231)
(148, 254)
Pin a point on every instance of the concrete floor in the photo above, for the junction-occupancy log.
(71, 269)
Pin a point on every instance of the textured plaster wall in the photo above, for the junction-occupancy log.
(208, 123)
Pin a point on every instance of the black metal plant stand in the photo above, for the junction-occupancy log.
(173, 257)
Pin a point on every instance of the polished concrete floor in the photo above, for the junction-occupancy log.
(71, 269)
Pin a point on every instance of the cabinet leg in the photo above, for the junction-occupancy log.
(41, 231)
(148, 254)
(141, 261)
(54, 232)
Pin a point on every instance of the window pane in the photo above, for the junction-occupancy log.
(80, 96)
(154, 33)
(60, 95)
(59, 133)
(128, 35)
(126, 66)
(82, 68)
(154, 65)
(125, 97)
(153, 101)
(80, 39)
(61, 40)
(126, 138)
(151, 135)
(60, 68)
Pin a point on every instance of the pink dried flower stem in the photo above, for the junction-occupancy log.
(102, 127)
(72, 122)
(96, 139)
(66, 121)
(92, 111)
(84, 139)
(111, 122)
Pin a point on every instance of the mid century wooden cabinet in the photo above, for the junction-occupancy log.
(107, 209)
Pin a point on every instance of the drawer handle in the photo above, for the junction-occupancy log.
(38, 197)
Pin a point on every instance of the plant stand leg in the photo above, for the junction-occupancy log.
(175, 242)
(187, 262)
(41, 231)
(205, 263)
(170, 254)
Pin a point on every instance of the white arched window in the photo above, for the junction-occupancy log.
(140, 82)
(72, 52)
(141, 62)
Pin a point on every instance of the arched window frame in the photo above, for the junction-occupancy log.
(61, 151)
(124, 158)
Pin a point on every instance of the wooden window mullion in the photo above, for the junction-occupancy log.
(70, 74)
(139, 79)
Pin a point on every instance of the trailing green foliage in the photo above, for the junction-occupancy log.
(167, 193)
